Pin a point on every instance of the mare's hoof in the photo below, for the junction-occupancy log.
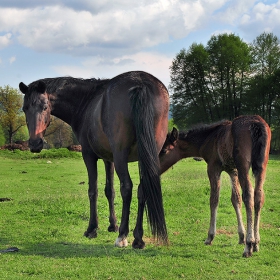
(138, 244)
(114, 228)
(92, 234)
(208, 242)
(121, 242)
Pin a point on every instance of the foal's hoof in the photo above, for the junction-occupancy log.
(247, 254)
(138, 244)
(121, 242)
(113, 228)
(256, 247)
(92, 234)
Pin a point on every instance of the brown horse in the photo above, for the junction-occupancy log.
(118, 120)
(233, 147)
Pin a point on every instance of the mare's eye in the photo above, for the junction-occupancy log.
(45, 107)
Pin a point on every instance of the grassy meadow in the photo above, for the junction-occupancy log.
(48, 212)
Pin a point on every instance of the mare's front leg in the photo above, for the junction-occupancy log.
(90, 160)
(120, 161)
(110, 194)
(214, 172)
(236, 201)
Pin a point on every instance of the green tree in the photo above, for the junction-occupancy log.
(59, 134)
(229, 65)
(263, 90)
(208, 82)
(11, 115)
(2, 136)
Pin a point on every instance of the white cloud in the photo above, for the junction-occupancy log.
(5, 40)
(12, 59)
(263, 17)
(125, 26)
(97, 67)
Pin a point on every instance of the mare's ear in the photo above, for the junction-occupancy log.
(174, 135)
(41, 87)
(23, 87)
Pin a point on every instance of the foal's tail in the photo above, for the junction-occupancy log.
(143, 117)
(261, 136)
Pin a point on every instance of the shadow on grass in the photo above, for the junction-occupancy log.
(68, 250)
(64, 250)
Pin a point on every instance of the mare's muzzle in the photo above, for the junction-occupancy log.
(36, 146)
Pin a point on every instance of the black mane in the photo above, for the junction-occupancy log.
(53, 84)
(203, 130)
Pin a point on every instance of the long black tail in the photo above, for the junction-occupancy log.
(143, 116)
(261, 136)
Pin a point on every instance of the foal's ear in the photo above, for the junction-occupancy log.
(23, 87)
(41, 87)
(174, 135)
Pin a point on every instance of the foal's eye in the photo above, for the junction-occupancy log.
(45, 107)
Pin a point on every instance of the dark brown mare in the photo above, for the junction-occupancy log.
(233, 147)
(118, 120)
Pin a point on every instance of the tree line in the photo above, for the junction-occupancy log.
(225, 79)
(222, 80)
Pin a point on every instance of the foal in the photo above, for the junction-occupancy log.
(233, 147)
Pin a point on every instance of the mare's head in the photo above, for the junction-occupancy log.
(37, 109)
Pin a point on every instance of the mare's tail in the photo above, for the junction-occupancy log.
(261, 136)
(143, 117)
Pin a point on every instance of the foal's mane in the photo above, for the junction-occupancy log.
(203, 130)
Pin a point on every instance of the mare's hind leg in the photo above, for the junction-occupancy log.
(236, 201)
(91, 163)
(138, 242)
(258, 204)
(120, 161)
(110, 194)
(214, 173)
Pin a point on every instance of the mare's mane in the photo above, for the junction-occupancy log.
(59, 83)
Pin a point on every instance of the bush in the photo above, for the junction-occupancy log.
(52, 153)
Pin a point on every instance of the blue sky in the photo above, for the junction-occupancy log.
(102, 38)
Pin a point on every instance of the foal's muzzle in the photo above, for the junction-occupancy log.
(36, 146)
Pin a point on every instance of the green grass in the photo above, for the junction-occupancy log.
(48, 214)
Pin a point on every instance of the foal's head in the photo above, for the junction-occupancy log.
(37, 109)
(170, 142)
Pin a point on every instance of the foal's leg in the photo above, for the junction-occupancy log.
(138, 242)
(258, 204)
(236, 201)
(91, 163)
(214, 173)
(243, 166)
(120, 161)
(110, 194)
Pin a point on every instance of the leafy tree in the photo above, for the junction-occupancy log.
(11, 115)
(59, 134)
(208, 82)
(229, 65)
(2, 136)
(263, 89)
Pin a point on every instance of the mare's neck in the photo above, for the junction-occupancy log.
(66, 104)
